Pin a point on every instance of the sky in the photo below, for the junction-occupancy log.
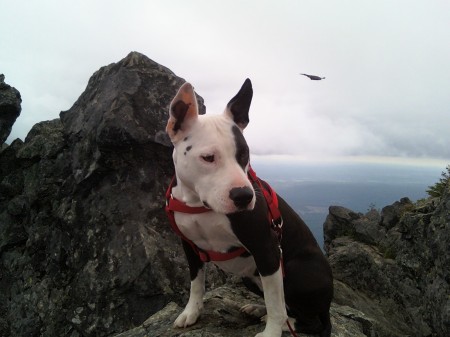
(386, 92)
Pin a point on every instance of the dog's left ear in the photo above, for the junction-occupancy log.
(183, 112)
(239, 106)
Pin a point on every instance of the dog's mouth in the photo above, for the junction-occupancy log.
(239, 210)
(236, 210)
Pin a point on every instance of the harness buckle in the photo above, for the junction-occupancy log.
(277, 224)
(277, 227)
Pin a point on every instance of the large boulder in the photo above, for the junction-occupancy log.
(85, 248)
(10, 107)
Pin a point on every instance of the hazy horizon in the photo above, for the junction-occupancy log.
(311, 188)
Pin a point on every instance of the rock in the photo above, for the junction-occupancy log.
(85, 247)
(10, 107)
(124, 106)
(45, 140)
(391, 214)
(344, 222)
(397, 267)
(222, 318)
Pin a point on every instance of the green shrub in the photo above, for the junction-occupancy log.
(437, 190)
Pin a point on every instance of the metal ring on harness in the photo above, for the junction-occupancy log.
(277, 226)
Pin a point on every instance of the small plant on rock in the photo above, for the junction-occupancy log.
(437, 190)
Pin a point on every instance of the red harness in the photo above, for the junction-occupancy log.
(174, 205)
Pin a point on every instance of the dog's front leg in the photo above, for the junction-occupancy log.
(194, 306)
(275, 305)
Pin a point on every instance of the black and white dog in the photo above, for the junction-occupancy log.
(221, 211)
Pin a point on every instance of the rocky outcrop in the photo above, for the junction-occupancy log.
(10, 107)
(222, 318)
(86, 249)
(84, 245)
(393, 266)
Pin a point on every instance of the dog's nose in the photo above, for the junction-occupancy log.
(241, 196)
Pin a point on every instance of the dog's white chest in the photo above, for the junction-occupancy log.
(209, 231)
(212, 231)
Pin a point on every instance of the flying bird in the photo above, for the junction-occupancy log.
(314, 77)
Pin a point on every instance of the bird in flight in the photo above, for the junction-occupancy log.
(314, 77)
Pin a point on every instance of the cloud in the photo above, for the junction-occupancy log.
(385, 63)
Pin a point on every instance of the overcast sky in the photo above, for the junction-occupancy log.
(386, 63)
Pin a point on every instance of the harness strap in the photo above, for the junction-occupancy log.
(275, 218)
(174, 205)
(271, 198)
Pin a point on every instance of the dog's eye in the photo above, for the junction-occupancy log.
(208, 158)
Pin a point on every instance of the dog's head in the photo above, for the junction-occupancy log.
(211, 156)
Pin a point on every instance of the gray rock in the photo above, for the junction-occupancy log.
(10, 107)
(85, 247)
(342, 221)
(398, 266)
(222, 318)
(390, 215)
(45, 140)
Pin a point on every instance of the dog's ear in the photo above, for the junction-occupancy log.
(183, 112)
(239, 106)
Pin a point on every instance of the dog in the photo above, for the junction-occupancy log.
(222, 215)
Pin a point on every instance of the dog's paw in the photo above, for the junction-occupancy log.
(255, 310)
(186, 318)
(270, 332)
(264, 334)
